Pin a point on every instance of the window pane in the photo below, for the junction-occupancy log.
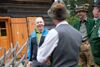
(2, 24)
(0, 32)
(3, 32)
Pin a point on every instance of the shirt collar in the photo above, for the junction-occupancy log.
(38, 31)
(62, 22)
(85, 19)
(95, 19)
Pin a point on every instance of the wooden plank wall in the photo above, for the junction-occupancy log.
(26, 9)
(17, 32)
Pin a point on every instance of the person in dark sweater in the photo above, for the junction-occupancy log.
(61, 45)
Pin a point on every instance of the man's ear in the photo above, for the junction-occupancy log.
(99, 12)
(99, 9)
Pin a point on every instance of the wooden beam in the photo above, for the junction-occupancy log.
(33, 0)
(26, 1)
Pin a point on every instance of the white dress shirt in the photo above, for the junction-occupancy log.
(50, 43)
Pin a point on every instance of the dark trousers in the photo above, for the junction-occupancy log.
(37, 64)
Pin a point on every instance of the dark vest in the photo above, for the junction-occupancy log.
(66, 54)
(33, 46)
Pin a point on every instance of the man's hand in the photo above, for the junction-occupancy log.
(29, 64)
(47, 61)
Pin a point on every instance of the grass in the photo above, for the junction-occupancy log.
(88, 65)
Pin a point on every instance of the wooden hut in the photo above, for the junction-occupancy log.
(17, 20)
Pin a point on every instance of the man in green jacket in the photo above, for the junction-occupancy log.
(95, 36)
(85, 26)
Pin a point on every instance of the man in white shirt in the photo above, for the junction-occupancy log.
(61, 45)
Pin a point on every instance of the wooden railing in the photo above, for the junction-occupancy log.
(9, 59)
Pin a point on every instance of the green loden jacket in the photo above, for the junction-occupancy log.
(89, 26)
(95, 42)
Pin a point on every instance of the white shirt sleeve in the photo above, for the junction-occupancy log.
(99, 32)
(48, 46)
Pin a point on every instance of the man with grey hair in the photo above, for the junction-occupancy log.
(36, 39)
(61, 45)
